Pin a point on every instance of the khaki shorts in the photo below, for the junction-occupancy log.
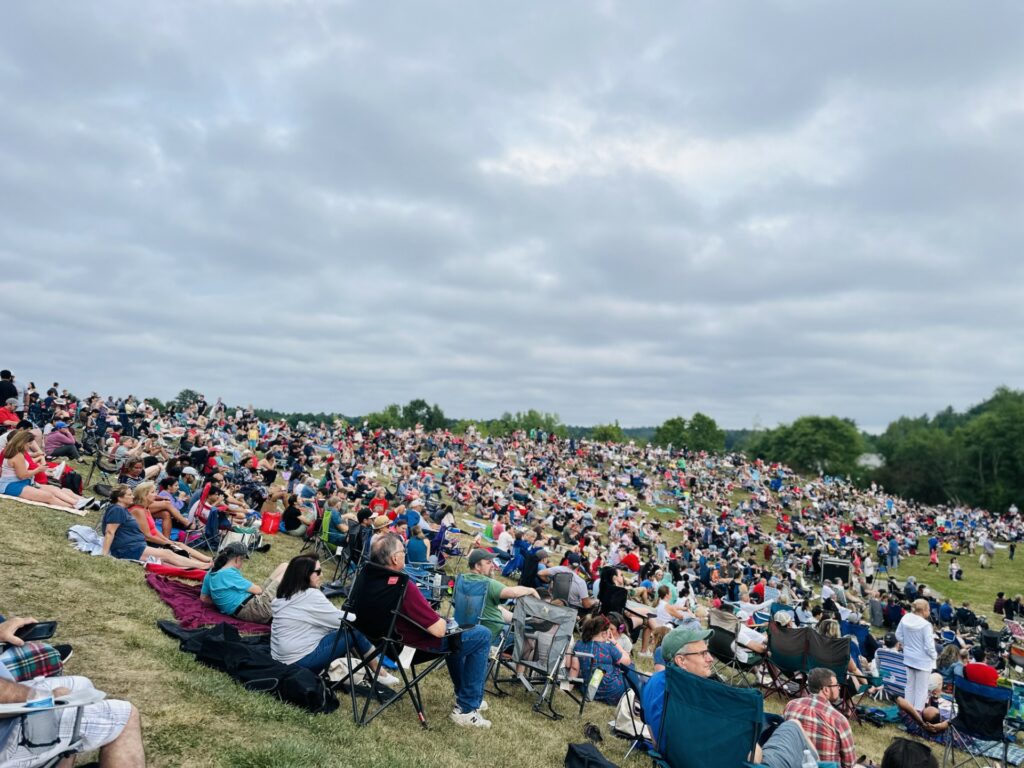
(258, 610)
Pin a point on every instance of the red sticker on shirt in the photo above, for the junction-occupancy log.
(392, 580)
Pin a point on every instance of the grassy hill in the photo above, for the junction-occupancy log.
(195, 716)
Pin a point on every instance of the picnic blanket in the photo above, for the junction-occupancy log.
(69, 510)
(994, 750)
(190, 612)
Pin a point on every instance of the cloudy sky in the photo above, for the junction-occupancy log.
(607, 210)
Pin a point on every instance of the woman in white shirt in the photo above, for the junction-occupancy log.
(306, 626)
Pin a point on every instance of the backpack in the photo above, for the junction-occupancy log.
(628, 720)
(586, 756)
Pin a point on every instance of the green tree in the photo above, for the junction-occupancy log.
(812, 444)
(608, 433)
(703, 434)
(671, 432)
(184, 399)
(389, 418)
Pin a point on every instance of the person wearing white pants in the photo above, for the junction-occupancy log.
(918, 640)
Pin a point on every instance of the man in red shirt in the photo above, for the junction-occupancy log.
(826, 727)
(420, 627)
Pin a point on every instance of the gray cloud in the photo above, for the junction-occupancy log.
(758, 210)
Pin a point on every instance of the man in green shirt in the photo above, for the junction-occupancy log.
(493, 616)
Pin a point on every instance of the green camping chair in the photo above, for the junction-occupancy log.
(788, 660)
(728, 720)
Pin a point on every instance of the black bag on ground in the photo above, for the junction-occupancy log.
(586, 756)
(248, 660)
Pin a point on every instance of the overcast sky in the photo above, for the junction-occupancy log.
(607, 210)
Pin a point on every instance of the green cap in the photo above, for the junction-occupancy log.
(680, 637)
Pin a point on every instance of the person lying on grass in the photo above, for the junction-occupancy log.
(234, 595)
(17, 475)
(143, 502)
(123, 538)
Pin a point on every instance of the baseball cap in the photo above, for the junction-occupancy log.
(60, 425)
(480, 554)
(679, 638)
(12, 400)
(236, 549)
(191, 471)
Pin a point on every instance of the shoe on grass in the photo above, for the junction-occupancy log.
(473, 719)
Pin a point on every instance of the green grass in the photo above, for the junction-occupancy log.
(198, 717)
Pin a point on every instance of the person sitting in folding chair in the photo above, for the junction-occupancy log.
(687, 649)
(493, 616)
(111, 726)
(306, 626)
(576, 596)
(467, 665)
(824, 725)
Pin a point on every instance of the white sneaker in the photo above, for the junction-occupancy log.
(386, 678)
(474, 719)
(484, 706)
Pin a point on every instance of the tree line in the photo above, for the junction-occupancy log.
(975, 457)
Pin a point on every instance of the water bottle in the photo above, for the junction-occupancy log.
(40, 731)
(808, 761)
(436, 590)
(595, 682)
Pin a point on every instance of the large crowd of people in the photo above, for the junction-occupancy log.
(679, 533)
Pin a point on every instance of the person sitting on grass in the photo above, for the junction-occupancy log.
(123, 539)
(297, 517)
(597, 650)
(234, 595)
(17, 477)
(306, 626)
(143, 497)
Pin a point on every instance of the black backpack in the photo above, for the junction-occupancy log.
(586, 755)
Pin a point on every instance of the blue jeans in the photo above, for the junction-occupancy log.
(468, 667)
(318, 659)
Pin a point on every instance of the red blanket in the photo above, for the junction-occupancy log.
(190, 612)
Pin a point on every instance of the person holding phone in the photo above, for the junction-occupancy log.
(21, 653)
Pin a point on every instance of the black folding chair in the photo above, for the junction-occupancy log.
(724, 628)
(373, 607)
(980, 712)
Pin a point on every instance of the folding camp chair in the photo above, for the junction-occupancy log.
(430, 581)
(893, 672)
(376, 602)
(834, 654)
(561, 586)
(727, 719)
(725, 627)
(468, 600)
(787, 660)
(77, 699)
(979, 714)
(541, 633)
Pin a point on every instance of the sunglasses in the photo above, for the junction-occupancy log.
(317, 570)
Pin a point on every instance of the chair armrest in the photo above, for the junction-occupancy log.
(73, 699)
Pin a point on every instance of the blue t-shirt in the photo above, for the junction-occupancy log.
(606, 658)
(228, 589)
(653, 698)
(416, 550)
(128, 541)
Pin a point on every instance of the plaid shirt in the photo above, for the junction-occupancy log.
(31, 660)
(826, 727)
